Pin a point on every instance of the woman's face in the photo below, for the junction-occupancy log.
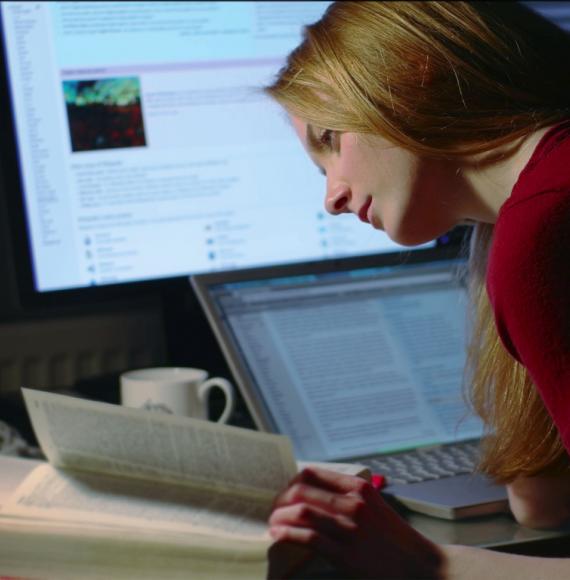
(412, 198)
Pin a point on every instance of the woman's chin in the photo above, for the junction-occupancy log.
(413, 238)
(416, 234)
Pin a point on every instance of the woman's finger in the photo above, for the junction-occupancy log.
(349, 505)
(307, 537)
(334, 525)
(330, 480)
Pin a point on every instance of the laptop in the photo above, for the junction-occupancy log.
(360, 360)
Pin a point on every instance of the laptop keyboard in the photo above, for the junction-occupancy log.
(425, 464)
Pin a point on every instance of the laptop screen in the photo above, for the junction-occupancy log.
(351, 363)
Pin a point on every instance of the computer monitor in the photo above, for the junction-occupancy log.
(136, 145)
(142, 148)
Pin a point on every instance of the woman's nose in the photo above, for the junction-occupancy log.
(337, 200)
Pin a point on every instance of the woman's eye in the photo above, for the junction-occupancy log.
(328, 139)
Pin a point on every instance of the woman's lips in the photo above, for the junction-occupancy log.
(374, 219)
(366, 214)
(363, 212)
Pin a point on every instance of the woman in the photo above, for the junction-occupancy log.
(424, 115)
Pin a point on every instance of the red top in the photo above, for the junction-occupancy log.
(528, 277)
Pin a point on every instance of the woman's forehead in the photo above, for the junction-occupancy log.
(299, 125)
(301, 129)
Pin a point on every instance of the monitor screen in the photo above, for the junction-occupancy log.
(145, 149)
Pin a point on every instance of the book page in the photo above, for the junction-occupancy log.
(65, 496)
(13, 471)
(77, 434)
(70, 551)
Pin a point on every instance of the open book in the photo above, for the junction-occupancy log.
(129, 492)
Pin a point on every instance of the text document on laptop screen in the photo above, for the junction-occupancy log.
(147, 150)
(353, 363)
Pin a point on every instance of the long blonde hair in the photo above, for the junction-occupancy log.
(446, 80)
(522, 439)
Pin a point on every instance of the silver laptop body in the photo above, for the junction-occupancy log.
(360, 360)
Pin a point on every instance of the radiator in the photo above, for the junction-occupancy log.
(44, 354)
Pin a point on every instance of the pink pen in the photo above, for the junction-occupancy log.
(378, 481)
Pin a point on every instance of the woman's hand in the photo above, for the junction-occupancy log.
(345, 520)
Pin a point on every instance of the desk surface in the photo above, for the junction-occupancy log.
(498, 531)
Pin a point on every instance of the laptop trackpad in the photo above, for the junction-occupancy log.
(452, 498)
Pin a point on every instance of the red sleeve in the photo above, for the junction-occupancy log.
(529, 286)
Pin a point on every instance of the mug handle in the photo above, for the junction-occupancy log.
(226, 386)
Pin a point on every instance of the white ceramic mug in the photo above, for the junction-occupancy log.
(177, 390)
